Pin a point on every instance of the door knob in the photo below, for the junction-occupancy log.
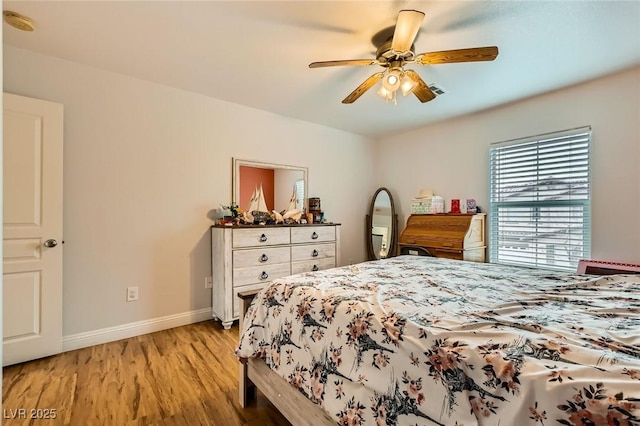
(50, 243)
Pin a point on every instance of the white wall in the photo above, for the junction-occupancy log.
(452, 157)
(144, 164)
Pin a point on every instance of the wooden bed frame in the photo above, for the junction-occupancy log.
(254, 373)
(299, 410)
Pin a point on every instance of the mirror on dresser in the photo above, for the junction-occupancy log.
(278, 182)
(382, 226)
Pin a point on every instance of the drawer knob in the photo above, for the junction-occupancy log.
(264, 258)
(264, 275)
(314, 236)
(315, 253)
(315, 268)
(263, 238)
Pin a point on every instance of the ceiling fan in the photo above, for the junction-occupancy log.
(396, 52)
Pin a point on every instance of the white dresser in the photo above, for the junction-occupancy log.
(247, 257)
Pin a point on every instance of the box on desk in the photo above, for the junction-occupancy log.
(427, 205)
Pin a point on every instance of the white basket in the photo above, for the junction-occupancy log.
(429, 205)
(421, 206)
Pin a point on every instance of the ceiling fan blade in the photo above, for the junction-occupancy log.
(407, 27)
(475, 54)
(422, 91)
(344, 62)
(368, 84)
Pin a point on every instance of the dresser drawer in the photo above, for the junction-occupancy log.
(259, 274)
(260, 237)
(312, 265)
(261, 256)
(312, 234)
(312, 251)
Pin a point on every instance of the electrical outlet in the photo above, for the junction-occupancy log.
(208, 282)
(132, 294)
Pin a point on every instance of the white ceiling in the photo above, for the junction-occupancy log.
(257, 53)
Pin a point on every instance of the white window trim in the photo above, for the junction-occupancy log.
(509, 255)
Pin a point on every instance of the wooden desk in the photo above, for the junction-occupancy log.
(454, 236)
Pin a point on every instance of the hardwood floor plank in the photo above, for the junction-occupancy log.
(182, 376)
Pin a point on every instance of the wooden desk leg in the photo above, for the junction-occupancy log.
(246, 388)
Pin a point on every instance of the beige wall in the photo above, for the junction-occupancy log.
(144, 164)
(452, 157)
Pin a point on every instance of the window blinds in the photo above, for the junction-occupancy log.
(540, 212)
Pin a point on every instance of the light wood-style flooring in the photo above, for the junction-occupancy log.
(182, 376)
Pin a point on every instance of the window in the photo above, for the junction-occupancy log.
(540, 210)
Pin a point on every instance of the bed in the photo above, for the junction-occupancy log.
(417, 340)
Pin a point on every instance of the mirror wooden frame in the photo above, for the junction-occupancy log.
(393, 242)
(237, 163)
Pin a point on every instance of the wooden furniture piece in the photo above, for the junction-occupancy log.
(406, 276)
(245, 258)
(454, 236)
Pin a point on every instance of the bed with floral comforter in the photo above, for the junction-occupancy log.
(424, 341)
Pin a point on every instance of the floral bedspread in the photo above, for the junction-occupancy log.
(423, 341)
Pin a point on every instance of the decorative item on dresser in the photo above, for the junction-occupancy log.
(247, 257)
(454, 236)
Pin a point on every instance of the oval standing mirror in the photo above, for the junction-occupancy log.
(382, 226)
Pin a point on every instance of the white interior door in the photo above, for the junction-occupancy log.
(32, 242)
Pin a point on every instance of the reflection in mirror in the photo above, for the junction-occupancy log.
(382, 226)
(278, 183)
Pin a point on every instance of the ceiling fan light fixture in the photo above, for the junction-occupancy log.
(387, 95)
(383, 92)
(391, 81)
(407, 85)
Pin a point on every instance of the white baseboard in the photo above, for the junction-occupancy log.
(132, 329)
